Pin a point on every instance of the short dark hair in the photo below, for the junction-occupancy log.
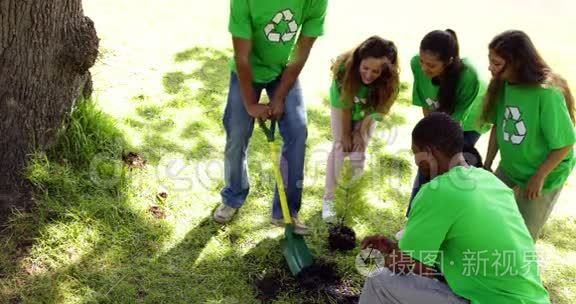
(440, 131)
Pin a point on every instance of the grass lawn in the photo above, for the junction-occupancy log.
(102, 234)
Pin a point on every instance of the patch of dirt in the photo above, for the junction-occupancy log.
(344, 293)
(341, 238)
(141, 294)
(321, 279)
(319, 275)
(268, 287)
(157, 212)
(162, 196)
(134, 160)
(24, 244)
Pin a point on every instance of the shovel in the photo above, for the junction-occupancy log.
(294, 247)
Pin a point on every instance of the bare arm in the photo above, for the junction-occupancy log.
(554, 159)
(291, 73)
(396, 260)
(492, 149)
(347, 129)
(242, 51)
(426, 111)
(536, 182)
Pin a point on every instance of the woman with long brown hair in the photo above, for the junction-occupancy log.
(365, 86)
(533, 114)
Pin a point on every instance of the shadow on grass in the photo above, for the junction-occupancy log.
(124, 262)
(201, 90)
(83, 239)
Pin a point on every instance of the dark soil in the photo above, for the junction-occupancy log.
(162, 196)
(341, 238)
(318, 280)
(157, 212)
(134, 160)
(318, 276)
(268, 286)
(343, 293)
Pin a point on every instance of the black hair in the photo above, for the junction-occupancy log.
(444, 45)
(472, 156)
(440, 131)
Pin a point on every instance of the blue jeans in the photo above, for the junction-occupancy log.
(239, 126)
(470, 139)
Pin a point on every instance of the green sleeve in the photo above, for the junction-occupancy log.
(335, 100)
(240, 25)
(417, 98)
(555, 122)
(430, 220)
(313, 25)
(466, 94)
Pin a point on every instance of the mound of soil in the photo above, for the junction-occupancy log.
(341, 238)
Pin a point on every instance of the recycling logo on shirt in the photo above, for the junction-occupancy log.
(272, 28)
(513, 115)
(433, 104)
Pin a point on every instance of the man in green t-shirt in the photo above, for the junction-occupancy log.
(272, 40)
(466, 224)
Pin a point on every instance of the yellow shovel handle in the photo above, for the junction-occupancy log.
(274, 148)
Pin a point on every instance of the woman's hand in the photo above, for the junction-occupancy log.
(534, 187)
(347, 143)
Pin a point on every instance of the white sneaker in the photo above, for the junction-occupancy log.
(328, 213)
(399, 234)
(224, 214)
(299, 227)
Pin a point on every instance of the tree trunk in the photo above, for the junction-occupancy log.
(46, 49)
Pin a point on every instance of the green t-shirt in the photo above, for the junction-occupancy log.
(356, 106)
(531, 122)
(273, 27)
(466, 221)
(469, 93)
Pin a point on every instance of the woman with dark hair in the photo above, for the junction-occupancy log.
(365, 86)
(444, 82)
(533, 114)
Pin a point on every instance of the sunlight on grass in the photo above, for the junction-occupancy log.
(561, 233)
(93, 237)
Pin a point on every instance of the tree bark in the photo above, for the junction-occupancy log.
(46, 50)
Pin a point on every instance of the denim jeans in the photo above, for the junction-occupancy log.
(239, 126)
(470, 138)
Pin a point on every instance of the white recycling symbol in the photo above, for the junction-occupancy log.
(433, 103)
(286, 16)
(359, 100)
(514, 114)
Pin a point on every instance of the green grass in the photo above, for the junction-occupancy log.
(92, 238)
